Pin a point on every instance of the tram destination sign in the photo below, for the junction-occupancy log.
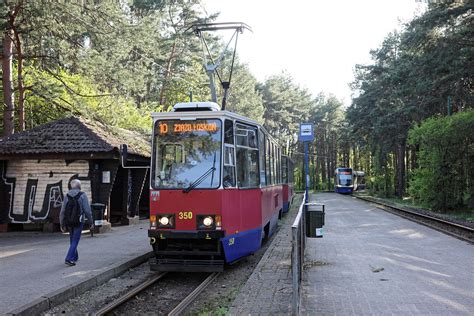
(306, 132)
(175, 128)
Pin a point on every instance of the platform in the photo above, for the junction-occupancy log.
(33, 273)
(369, 262)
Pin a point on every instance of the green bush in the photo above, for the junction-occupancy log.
(445, 173)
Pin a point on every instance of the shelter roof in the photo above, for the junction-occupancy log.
(74, 135)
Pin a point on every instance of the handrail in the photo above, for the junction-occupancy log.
(298, 242)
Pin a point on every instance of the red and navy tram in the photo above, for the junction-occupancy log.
(216, 188)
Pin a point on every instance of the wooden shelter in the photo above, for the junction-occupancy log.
(37, 165)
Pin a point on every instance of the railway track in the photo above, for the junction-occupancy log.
(181, 307)
(457, 230)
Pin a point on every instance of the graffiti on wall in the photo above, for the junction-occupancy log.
(7, 190)
(37, 187)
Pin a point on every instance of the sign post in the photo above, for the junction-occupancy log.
(306, 135)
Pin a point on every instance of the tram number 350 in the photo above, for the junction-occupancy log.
(185, 215)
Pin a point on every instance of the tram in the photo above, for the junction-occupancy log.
(344, 180)
(216, 187)
(359, 180)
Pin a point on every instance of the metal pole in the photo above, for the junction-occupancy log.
(306, 162)
(210, 72)
(295, 272)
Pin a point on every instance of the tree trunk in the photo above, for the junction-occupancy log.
(355, 159)
(167, 73)
(328, 165)
(322, 166)
(401, 170)
(21, 85)
(7, 80)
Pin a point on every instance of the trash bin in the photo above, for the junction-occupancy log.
(98, 213)
(314, 220)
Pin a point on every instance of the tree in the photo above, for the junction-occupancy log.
(244, 98)
(443, 179)
(286, 105)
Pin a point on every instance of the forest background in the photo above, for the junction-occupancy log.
(410, 125)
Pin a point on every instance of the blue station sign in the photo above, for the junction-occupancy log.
(306, 132)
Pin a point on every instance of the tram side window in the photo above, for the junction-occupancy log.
(274, 175)
(284, 169)
(290, 171)
(278, 165)
(268, 162)
(261, 144)
(229, 154)
(229, 132)
(247, 156)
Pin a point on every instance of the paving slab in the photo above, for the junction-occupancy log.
(371, 262)
(268, 291)
(33, 275)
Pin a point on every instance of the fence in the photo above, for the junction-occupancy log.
(298, 242)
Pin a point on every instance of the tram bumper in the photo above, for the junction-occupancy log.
(187, 251)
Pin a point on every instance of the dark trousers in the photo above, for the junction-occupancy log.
(74, 237)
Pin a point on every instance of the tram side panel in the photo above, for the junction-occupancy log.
(287, 196)
(241, 218)
(272, 203)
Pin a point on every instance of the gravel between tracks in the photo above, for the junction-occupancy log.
(217, 298)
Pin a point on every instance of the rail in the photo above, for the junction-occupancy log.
(459, 231)
(298, 242)
(127, 296)
(181, 307)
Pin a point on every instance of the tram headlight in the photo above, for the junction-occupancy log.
(165, 221)
(207, 221)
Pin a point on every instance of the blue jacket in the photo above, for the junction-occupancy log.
(83, 202)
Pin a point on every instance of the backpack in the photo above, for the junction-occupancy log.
(73, 212)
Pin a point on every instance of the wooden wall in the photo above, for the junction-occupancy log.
(40, 186)
(32, 191)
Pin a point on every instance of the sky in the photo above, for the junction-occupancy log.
(317, 42)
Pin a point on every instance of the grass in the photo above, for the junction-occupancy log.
(221, 306)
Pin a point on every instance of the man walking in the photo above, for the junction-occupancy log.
(74, 209)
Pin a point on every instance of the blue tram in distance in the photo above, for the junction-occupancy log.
(344, 180)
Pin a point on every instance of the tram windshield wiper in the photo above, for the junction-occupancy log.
(200, 179)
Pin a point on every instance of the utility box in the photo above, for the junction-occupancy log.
(98, 213)
(314, 219)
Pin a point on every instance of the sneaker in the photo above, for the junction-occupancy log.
(70, 263)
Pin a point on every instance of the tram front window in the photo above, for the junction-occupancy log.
(345, 177)
(183, 151)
